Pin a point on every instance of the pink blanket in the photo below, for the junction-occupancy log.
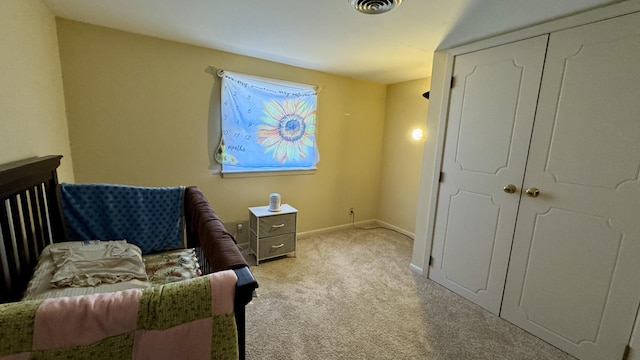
(192, 319)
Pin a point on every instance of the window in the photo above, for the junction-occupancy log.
(267, 125)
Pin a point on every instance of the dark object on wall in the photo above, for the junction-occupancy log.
(426, 95)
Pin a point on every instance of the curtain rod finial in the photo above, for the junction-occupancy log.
(212, 70)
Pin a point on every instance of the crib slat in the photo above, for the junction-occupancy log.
(21, 251)
(205, 267)
(38, 231)
(43, 211)
(27, 221)
(40, 216)
(54, 219)
(9, 250)
(5, 287)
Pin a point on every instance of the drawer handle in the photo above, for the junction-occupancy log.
(277, 246)
(277, 226)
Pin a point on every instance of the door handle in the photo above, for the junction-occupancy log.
(533, 192)
(509, 189)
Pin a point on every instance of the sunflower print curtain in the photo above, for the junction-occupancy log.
(267, 124)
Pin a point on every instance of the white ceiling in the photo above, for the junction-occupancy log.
(324, 35)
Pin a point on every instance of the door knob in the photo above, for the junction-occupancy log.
(509, 189)
(533, 192)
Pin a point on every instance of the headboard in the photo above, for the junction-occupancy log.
(28, 222)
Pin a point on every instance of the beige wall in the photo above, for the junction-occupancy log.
(139, 108)
(32, 111)
(406, 110)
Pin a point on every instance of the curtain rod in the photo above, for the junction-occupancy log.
(220, 73)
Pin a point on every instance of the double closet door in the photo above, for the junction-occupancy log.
(538, 216)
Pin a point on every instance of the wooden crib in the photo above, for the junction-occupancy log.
(30, 219)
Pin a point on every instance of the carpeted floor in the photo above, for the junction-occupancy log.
(350, 295)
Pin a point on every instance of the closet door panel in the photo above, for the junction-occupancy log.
(581, 285)
(602, 73)
(488, 131)
(574, 274)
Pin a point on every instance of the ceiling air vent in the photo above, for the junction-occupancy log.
(373, 7)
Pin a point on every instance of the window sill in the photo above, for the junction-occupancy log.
(244, 174)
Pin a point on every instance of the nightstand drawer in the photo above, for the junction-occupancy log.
(277, 225)
(277, 245)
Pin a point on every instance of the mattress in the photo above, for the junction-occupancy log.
(161, 268)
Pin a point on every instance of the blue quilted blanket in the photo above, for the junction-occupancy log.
(150, 218)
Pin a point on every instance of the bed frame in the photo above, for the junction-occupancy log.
(30, 219)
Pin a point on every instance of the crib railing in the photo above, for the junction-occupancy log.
(27, 221)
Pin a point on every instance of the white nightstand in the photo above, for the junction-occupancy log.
(273, 233)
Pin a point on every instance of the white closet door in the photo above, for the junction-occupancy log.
(488, 131)
(574, 275)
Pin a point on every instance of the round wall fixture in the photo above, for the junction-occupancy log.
(373, 7)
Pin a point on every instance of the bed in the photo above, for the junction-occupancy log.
(31, 219)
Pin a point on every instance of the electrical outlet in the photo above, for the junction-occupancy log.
(239, 227)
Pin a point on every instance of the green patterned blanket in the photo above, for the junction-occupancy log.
(191, 319)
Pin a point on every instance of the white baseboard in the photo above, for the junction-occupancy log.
(395, 228)
(309, 233)
(416, 269)
(359, 224)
